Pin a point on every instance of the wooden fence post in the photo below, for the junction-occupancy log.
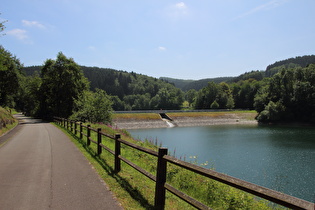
(159, 202)
(99, 141)
(80, 130)
(71, 126)
(75, 128)
(117, 153)
(88, 142)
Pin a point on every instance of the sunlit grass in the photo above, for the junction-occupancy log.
(139, 116)
(250, 115)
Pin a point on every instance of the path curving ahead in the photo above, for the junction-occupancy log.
(40, 168)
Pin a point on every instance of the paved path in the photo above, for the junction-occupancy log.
(40, 168)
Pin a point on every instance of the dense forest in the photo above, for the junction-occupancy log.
(186, 85)
(130, 91)
(283, 92)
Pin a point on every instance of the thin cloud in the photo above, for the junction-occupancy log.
(177, 11)
(91, 48)
(181, 6)
(36, 24)
(267, 6)
(161, 48)
(20, 34)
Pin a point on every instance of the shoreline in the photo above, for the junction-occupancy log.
(181, 122)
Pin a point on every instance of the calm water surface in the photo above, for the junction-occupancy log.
(278, 157)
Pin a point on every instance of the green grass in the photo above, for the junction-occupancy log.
(138, 116)
(7, 121)
(135, 191)
(248, 115)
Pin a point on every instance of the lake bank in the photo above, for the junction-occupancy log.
(187, 119)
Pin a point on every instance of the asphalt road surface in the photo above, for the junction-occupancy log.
(40, 168)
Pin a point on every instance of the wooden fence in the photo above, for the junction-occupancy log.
(163, 158)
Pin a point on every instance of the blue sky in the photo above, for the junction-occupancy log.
(193, 39)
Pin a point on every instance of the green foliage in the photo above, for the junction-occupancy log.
(190, 96)
(7, 121)
(299, 61)
(28, 98)
(254, 75)
(214, 105)
(2, 26)
(93, 107)
(199, 84)
(10, 74)
(215, 96)
(179, 83)
(244, 93)
(212, 193)
(130, 91)
(288, 96)
(62, 83)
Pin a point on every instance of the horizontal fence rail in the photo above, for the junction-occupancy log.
(162, 159)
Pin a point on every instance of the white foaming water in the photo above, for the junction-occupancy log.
(171, 125)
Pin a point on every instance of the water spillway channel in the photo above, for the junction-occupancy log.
(169, 121)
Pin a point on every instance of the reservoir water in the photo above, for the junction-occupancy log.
(277, 157)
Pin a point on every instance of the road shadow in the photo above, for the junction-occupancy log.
(24, 120)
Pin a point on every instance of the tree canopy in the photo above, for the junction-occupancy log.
(288, 96)
(62, 83)
(10, 74)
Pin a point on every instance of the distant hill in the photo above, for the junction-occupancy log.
(299, 61)
(104, 78)
(257, 75)
(194, 84)
(179, 83)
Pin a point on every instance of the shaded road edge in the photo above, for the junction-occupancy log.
(10, 133)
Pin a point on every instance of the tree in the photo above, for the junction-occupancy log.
(288, 96)
(2, 26)
(62, 83)
(28, 96)
(93, 107)
(215, 96)
(10, 76)
(190, 96)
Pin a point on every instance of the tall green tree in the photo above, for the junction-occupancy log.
(62, 83)
(10, 77)
(93, 107)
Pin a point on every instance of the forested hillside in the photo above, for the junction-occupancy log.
(130, 91)
(179, 83)
(299, 61)
(186, 85)
(284, 92)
